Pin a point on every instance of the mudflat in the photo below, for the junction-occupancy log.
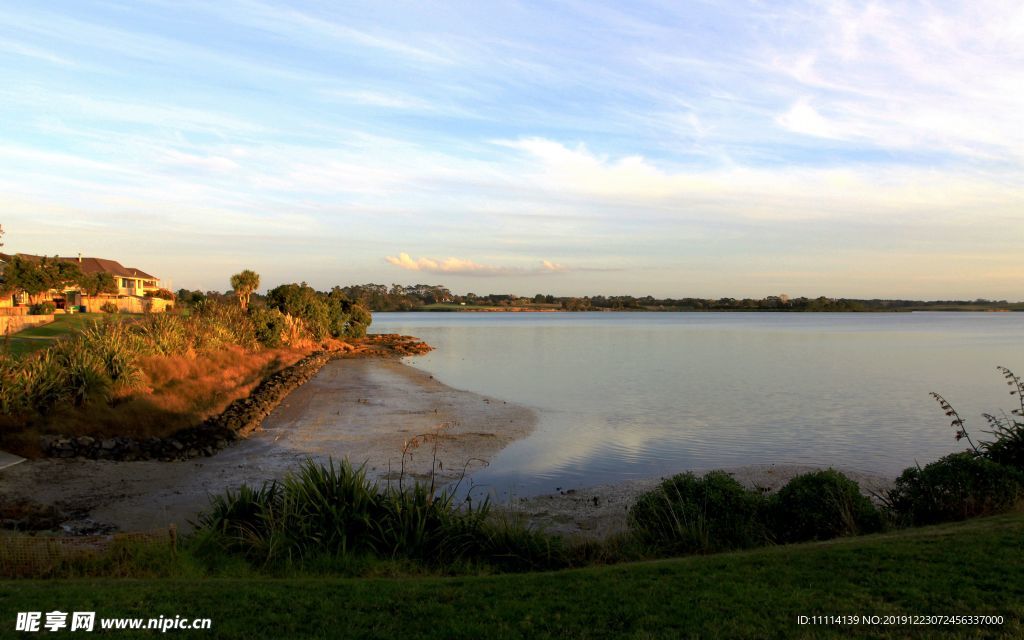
(366, 410)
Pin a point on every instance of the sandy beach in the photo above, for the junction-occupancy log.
(364, 410)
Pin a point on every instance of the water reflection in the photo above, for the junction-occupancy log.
(627, 395)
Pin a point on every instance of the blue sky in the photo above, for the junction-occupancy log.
(664, 148)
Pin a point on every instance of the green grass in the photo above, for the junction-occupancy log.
(36, 338)
(976, 567)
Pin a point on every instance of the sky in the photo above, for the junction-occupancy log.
(669, 148)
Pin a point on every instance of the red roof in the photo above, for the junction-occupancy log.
(93, 265)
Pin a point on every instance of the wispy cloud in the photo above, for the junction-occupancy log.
(686, 142)
(462, 266)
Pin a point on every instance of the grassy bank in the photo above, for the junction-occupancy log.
(974, 567)
(36, 338)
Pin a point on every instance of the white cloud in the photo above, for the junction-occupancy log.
(462, 266)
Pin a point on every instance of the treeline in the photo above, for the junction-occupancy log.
(323, 314)
(379, 297)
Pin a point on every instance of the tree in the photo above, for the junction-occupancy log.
(244, 284)
(94, 284)
(36, 277)
(303, 302)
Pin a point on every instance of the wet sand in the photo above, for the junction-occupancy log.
(367, 411)
(363, 410)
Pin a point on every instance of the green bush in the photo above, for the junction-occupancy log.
(820, 506)
(333, 509)
(165, 334)
(44, 308)
(686, 514)
(214, 325)
(118, 348)
(1008, 429)
(956, 487)
(269, 325)
(108, 307)
(1008, 446)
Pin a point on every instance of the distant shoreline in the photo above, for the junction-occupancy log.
(547, 310)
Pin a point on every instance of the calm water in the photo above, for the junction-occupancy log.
(633, 395)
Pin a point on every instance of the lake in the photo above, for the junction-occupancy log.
(633, 395)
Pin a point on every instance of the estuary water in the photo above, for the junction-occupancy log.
(623, 396)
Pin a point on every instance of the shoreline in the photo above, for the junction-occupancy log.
(599, 511)
(362, 409)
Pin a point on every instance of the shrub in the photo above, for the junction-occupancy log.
(85, 378)
(164, 334)
(688, 514)
(214, 325)
(1008, 446)
(956, 487)
(118, 348)
(269, 325)
(109, 307)
(163, 294)
(1008, 429)
(334, 509)
(820, 506)
(44, 308)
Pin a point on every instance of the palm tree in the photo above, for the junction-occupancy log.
(244, 284)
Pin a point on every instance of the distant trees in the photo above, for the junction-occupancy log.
(331, 314)
(244, 284)
(35, 277)
(379, 297)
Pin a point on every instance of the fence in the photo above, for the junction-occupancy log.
(39, 556)
(13, 324)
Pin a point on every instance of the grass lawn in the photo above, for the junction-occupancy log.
(972, 568)
(36, 338)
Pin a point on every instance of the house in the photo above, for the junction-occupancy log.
(135, 288)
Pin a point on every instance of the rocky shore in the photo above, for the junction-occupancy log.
(369, 409)
(239, 419)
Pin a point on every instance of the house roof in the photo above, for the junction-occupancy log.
(92, 265)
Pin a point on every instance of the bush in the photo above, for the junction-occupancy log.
(109, 307)
(687, 514)
(215, 325)
(42, 309)
(164, 334)
(117, 348)
(269, 325)
(959, 486)
(1008, 446)
(335, 510)
(1008, 429)
(820, 506)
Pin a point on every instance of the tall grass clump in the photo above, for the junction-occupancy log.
(687, 514)
(166, 334)
(215, 325)
(332, 510)
(117, 347)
